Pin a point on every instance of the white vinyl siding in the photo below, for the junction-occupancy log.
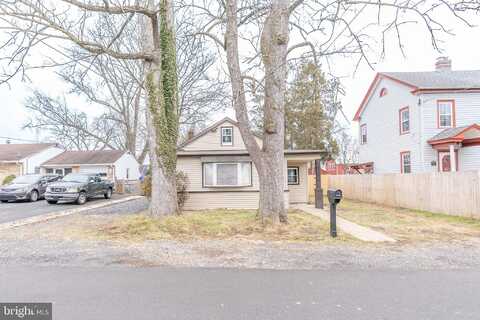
(467, 112)
(213, 140)
(384, 143)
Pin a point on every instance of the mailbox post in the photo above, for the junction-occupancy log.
(334, 197)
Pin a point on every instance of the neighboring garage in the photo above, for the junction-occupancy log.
(116, 165)
(18, 159)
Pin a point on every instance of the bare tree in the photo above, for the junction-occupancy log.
(321, 30)
(31, 24)
(114, 86)
(347, 148)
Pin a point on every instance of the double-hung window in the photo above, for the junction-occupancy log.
(227, 136)
(363, 134)
(227, 174)
(404, 115)
(405, 162)
(292, 175)
(446, 113)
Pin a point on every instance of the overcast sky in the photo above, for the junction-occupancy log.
(461, 48)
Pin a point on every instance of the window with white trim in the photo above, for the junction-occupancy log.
(445, 114)
(404, 120)
(292, 175)
(405, 162)
(363, 134)
(227, 136)
(227, 174)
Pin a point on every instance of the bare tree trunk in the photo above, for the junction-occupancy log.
(161, 88)
(274, 42)
(270, 160)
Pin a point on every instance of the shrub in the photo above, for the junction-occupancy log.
(182, 185)
(8, 179)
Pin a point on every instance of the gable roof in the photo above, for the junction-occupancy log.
(86, 157)
(208, 129)
(445, 80)
(17, 152)
(452, 134)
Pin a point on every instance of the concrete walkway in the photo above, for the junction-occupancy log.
(355, 230)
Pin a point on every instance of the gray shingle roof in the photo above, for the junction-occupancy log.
(448, 133)
(16, 152)
(444, 79)
(86, 157)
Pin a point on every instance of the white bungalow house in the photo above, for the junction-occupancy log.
(18, 159)
(222, 175)
(421, 121)
(114, 164)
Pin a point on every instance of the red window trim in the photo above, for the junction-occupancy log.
(401, 160)
(454, 120)
(400, 120)
(366, 134)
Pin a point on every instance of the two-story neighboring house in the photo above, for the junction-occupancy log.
(221, 173)
(421, 121)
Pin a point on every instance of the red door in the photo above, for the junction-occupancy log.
(445, 163)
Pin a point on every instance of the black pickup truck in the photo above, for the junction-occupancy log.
(77, 187)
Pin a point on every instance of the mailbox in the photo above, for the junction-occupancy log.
(334, 196)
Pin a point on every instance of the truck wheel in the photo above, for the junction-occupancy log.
(108, 195)
(33, 196)
(82, 198)
(51, 201)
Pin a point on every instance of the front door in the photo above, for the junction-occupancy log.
(445, 161)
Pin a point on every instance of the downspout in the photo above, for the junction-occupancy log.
(420, 138)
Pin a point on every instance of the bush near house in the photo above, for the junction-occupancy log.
(8, 179)
(182, 184)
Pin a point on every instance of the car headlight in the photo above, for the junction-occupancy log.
(73, 189)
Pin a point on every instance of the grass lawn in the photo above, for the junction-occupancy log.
(217, 224)
(409, 225)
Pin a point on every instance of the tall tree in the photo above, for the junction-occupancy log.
(321, 30)
(307, 123)
(33, 24)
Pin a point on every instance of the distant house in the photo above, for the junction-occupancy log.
(18, 159)
(221, 173)
(114, 164)
(421, 121)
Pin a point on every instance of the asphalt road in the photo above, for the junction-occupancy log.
(12, 211)
(159, 293)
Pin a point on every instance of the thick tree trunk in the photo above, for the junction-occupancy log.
(161, 88)
(270, 160)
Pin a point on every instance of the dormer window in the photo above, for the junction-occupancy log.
(227, 136)
(383, 92)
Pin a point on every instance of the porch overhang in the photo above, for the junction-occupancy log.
(456, 137)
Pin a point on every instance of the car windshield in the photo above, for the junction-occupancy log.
(28, 179)
(74, 177)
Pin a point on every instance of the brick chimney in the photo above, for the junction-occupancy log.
(443, 64)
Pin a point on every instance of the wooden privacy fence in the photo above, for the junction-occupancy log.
(453, 193)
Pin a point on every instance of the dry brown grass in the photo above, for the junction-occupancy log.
(217, 224)
(407, 224)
